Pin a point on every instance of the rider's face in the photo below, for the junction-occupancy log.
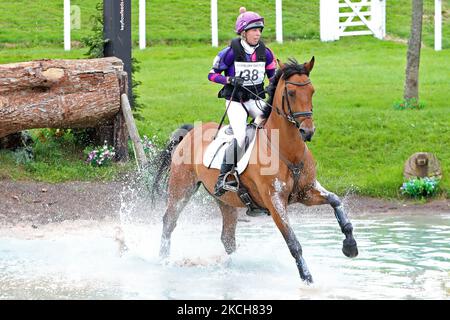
(252, 36)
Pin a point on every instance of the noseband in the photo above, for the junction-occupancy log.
(292, 116)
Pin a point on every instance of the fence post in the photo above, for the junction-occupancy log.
(117, 29)
(279, 20)
(141, 158)
(67, 25)
(437, 25)
(142, 40)
(214, 27)
(379, 18)
(329, 20)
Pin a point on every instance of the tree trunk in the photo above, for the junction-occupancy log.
(59, 94)
(413, 56)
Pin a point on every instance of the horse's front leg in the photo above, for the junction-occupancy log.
(319, 195)
(277, 205)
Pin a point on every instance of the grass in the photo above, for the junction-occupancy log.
(361, 142)
(56, 160)
(172, 21)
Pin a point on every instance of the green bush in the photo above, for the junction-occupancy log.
(409, 104)
(420, 187)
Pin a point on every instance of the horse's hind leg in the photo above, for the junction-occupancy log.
(319, 195)
(182, 186)
(229, 216)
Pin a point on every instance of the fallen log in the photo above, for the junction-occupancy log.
(59, 93)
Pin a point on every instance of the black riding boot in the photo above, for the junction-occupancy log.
(229, 163)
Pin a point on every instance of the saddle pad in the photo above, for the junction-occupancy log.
(216, 149)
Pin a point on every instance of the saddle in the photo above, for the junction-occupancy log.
(213, 158)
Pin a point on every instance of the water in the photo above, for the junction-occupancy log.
(400, 257)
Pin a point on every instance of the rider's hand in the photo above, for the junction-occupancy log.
(236, 81)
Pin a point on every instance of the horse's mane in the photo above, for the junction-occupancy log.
(290, 68)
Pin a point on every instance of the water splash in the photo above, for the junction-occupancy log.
(400, 257)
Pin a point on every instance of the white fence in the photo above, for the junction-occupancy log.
(369, 14)
(336, 16)
(437, 25)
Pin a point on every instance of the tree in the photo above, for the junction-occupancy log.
(413, 56)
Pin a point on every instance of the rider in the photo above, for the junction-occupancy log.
(245, 63)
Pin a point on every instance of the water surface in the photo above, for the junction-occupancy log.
(400, 257)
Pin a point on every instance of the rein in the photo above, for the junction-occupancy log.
(291, 116)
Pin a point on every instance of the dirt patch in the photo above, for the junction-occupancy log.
(42, 203)
(34, 203)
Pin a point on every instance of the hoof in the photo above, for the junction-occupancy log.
(163, 254)
(307, 279)
(230, 249)
(164, 250)
(349, 248)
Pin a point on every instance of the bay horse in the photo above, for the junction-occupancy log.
(290, 97)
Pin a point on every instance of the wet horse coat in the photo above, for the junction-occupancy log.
(283, 138)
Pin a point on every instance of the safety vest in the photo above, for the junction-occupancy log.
(253, 73)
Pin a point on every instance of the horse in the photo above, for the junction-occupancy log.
(290, 98)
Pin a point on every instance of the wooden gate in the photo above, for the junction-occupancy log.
(339, 18)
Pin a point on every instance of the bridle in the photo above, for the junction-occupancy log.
(292, 116)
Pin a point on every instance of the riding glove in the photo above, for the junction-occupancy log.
(236, 81)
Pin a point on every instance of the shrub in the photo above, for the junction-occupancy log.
(24, 155)
(420, 187)
(409, 104)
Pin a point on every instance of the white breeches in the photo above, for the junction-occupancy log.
(237, 115)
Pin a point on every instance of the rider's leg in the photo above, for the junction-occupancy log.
(237, 115)
(256, 110)
(228, 164)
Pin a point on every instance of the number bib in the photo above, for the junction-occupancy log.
(252, 72)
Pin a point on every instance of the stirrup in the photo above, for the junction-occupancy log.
(231, 185)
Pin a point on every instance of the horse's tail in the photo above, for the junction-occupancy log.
(164, 158)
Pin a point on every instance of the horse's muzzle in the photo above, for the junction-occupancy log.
(307, 133)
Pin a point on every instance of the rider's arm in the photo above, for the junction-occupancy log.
(271, 64)
(221, 64)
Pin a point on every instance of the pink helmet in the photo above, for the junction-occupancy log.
(248, 20)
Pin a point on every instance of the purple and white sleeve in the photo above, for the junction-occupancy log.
(220, 65)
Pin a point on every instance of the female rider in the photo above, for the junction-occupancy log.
(244, 64)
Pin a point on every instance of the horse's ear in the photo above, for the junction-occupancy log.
(280, 64)
(309, 65)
